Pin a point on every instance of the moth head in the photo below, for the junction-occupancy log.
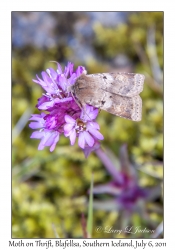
(70, 88)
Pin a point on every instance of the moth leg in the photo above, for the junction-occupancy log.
(76, 100)
(82, 106)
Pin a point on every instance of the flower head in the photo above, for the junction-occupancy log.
(85, 128)
(62, 113)
(124, 186)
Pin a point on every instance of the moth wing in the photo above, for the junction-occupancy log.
(124, 84)
(125, 107)
(90, 89)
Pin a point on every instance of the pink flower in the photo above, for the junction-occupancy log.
(48, 137)
(64, 116)
(84, 128)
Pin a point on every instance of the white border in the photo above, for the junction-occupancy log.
(5, 98)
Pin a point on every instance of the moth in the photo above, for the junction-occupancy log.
(116, 93)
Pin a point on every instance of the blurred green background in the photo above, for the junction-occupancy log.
(50, 190)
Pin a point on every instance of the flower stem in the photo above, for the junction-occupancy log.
(109, 165)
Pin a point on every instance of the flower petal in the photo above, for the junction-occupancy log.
(89, 113)
(62, 82)
(44, 139)
(72, 79)
(80, 70)
(69, 119)
(35, 125)
(52, 72)
(36, 117)
(50, 139)
(87, 150)
(94, 125)
(95, 133)
(72, 137)
(56, 139)
(37, 134)
(67, 129)
(59, 70)
(88, 138)
(81, 140)
(46, 78)
(46, 105)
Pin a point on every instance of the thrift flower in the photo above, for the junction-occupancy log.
(124, 185)
(87, 131)
(60, 112)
